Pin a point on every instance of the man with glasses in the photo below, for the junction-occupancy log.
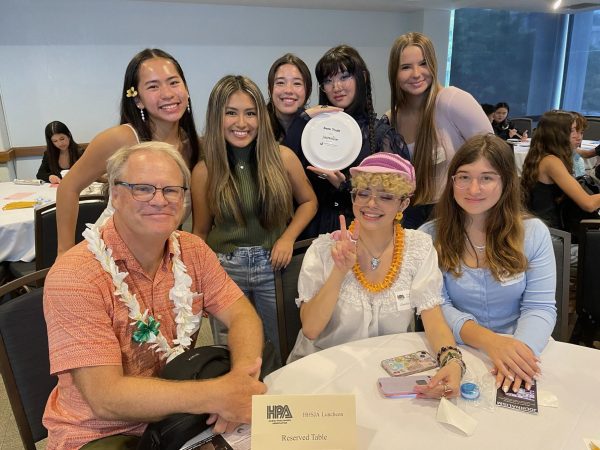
(130, 298)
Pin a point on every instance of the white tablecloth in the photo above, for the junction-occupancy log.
(17, 237)
(522, 148)
(570, 372)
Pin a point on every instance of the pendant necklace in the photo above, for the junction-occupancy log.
(376, 260)
(479, 248)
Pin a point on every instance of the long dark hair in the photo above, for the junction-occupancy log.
(344, 58)
(274, 188)
(57, 127)
(551, 137)
(131, 114)
(504, 224)
(505, 121)
(288, 58)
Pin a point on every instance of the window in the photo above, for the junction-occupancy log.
(582, 71)
(509, 56)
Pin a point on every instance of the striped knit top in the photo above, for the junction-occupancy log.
(227, 235)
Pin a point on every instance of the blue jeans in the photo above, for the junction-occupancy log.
(251, 270)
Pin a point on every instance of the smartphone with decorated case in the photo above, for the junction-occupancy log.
(408, 364)
(401, 387)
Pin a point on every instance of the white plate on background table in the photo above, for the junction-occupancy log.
(331, 141)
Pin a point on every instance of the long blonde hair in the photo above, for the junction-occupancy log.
(505, 231)
(426, 142)
(274, 187)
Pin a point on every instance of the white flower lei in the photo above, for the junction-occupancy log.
(180, 294)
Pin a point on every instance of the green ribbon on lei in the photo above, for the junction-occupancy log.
(142, 334)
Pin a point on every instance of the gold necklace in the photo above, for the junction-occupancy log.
(392, 273)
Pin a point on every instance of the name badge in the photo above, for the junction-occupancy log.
(402, 299)
(304, 422)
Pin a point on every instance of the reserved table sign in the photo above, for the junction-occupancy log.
(304, 422)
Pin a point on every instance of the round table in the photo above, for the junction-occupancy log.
(17, 237)
(570, 372)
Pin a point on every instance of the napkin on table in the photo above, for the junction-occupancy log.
(452, 415)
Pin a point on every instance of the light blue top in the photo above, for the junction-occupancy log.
(523, 305)
(578, 165)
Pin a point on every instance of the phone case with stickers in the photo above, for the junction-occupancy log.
(409, 364)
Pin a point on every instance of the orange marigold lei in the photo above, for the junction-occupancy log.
(392, 273)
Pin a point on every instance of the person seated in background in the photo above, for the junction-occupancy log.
(488, 110)
(504, 127)
(547, 177)
(130, 298)
(498, 263)
(369, 280)
(61, 152)
(581, 124)
(576, 137)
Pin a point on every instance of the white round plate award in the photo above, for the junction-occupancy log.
(331, 140)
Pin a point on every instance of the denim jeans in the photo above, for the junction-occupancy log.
(251, 270)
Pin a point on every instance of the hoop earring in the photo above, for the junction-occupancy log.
(142, 114)
(399, 217)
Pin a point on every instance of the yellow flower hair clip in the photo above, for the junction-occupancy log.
(131, 92)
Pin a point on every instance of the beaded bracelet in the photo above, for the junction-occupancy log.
(449, 355)
(461, 363)
(445, 349)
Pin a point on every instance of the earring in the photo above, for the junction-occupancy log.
(189, 109)
(399, 217)
(142, 114)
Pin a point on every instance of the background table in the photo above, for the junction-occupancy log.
(522, 148)
(570, 372)
(17, 234)
(17, 237)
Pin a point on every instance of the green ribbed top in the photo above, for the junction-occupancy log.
(226, 236)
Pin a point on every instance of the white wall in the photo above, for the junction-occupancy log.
(65, 59)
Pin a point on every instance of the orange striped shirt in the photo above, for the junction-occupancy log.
(89, 326)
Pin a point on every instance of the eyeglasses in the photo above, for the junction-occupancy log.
(363, 196)
(146, 192)
(487, 181)
(342, 79)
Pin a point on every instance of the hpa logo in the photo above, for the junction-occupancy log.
(278, 412)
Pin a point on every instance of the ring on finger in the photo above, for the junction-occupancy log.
(324, 106)
(323, 176)
(446, 390)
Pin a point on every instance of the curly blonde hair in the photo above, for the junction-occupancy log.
(390, 182)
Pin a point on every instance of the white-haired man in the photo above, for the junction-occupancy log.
(128, 299)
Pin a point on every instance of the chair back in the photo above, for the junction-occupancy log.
(286, 292)
(561, 241)
(588, 281)
(46, 237)
(24, 361)
(592, 131)
(522, 123)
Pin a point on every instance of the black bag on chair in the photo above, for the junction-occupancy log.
(571, 214)
(196, 364)
(199, 363)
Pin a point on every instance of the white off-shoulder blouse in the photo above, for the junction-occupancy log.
(360, 314)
